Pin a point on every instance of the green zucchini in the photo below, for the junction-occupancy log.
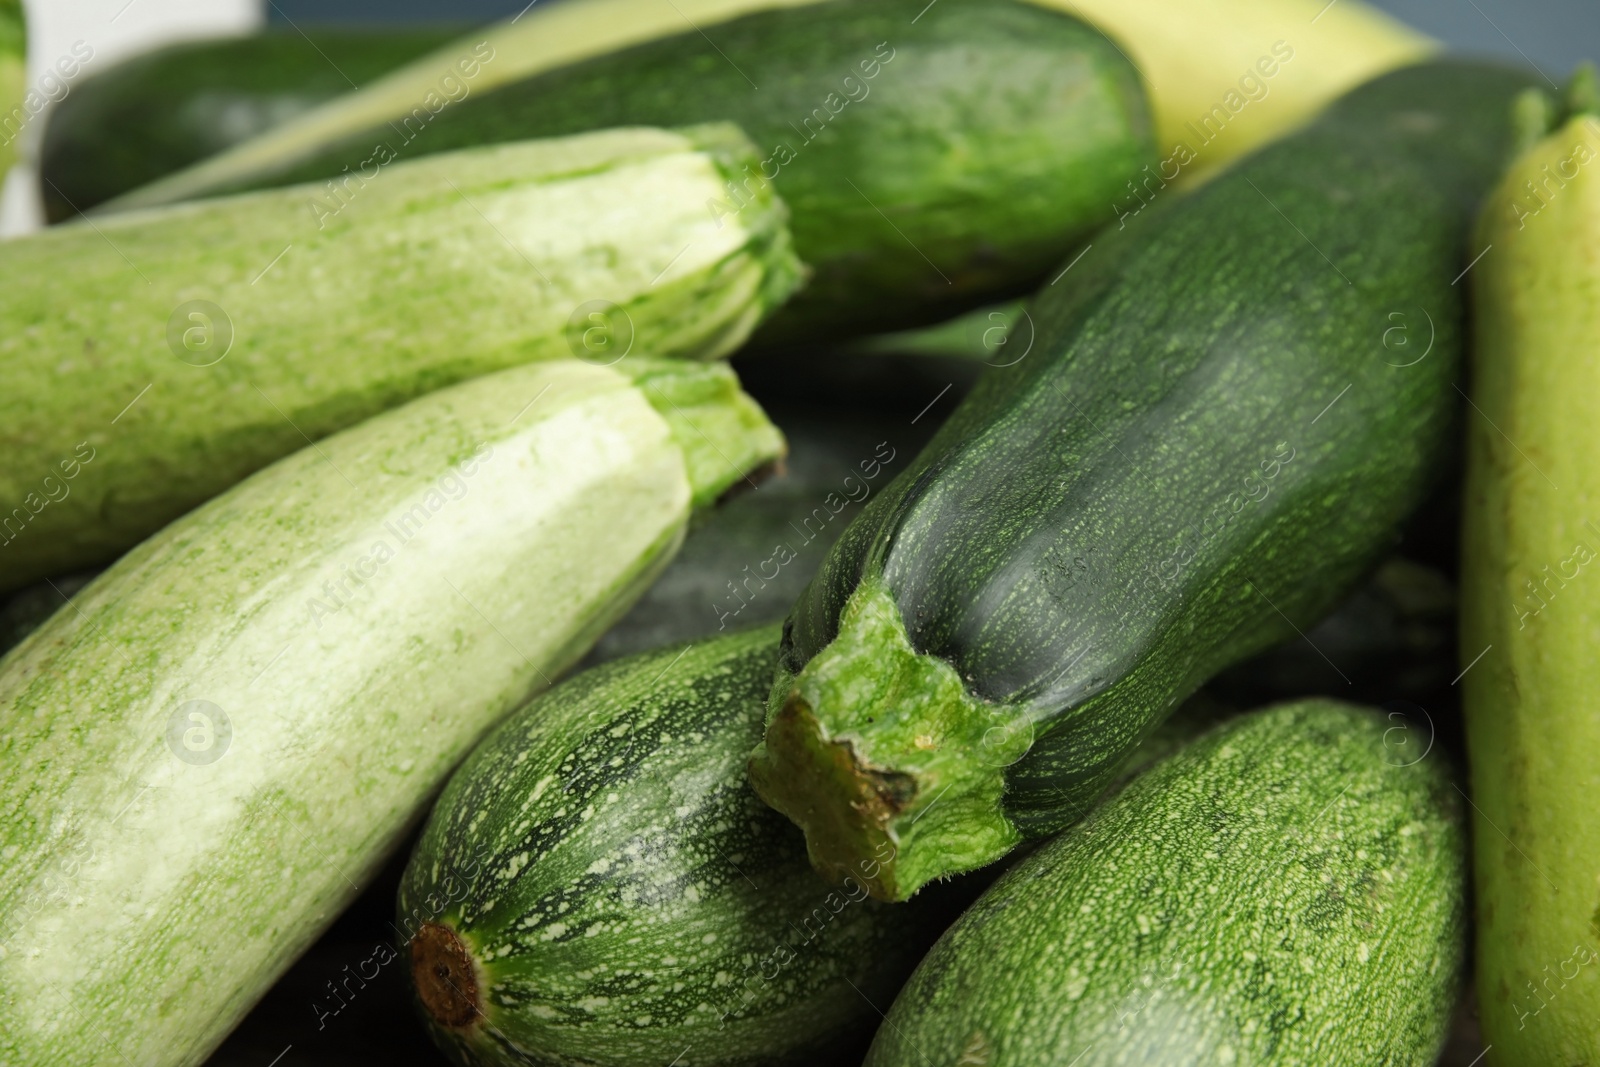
(930, 161)
(598, 884)
(152, 360)
(1216, 57)
(205, 759)
(1190, 465)
(1530, 602)
(1279, 893)
(14, 113)
(160, 111)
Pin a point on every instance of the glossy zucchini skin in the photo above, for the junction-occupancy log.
(1223, 422)
(161, 111)
(600, 885)
(1285, 891)
(930, 163)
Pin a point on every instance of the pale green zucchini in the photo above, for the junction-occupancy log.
(149, 361)
(1530, 599)
(206, 756)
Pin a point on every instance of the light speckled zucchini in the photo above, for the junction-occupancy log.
(206, 757)
(152, 360)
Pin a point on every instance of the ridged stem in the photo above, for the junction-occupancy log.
(891, 768)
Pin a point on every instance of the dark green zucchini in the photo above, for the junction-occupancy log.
(1217, 432)
(934, 156)
(161, 111)
(1280, 893)
(598, 884)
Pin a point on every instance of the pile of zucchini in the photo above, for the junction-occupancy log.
(1084, 694)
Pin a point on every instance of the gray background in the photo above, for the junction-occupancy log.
(1554, 35)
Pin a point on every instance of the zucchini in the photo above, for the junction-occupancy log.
(154, 359)
(1215, 57)
(160, 111)
(1279, 893)
(930, 162)
(239, 718)
(598, 884)
(1530, 604)
(14, 113)
(1236, 74)
(1189, 466)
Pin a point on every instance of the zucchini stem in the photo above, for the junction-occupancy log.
(879, 754)
(445, 976)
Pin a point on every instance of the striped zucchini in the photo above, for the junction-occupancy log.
(1531, 602)
(1285, 891)
(160, 111)
(1190, 464)
(598, 884)
(155, 359)
(932, 155)
(204, 759)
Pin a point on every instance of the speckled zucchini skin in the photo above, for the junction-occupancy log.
(160, 111)
(186, 347)
(1223, 421)
(627, 900)
(1283, 892)
(207, 754)
(929, 161)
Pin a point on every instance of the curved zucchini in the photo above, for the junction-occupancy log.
(1190, 464)
(1531, 604)
(150, 361)
(598, 884)
(240, 717)
(160, 111)
(930, 162)
(1282, 892)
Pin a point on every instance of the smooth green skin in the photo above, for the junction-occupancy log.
(161, 111)
(436, 271)
(1530, 543)
(996, 135)
(1215, 434)
(1280, 893)
(13, 72)
(147, 900)
(626, 897)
